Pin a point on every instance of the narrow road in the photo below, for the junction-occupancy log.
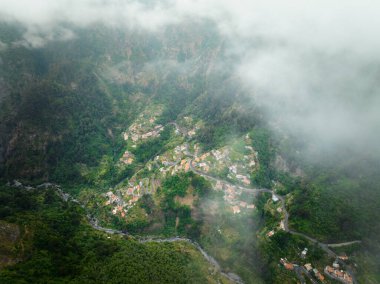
(343, 244)
(231, 276)
(94, 222)
(323, 246)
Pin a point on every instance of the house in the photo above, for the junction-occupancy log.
(217, 154)
(275, 198)
(204, 156)
(243, 179)
(289, 266)
(243, 204)
(233, 169)
(318, 275)
(187, 166)
(127, 158)
(134, 199)
(336, 264)
(308, 266)
(147, 135)
(230, 190)
(343, 256)
(235, 209)
(347, 278)
(219, 185)
(282, 225)
(251, 206)
(270, 233)
(130, 191)
(339, 273)
(250, 148)
(246, 181)
(204, 166)
(304, 252)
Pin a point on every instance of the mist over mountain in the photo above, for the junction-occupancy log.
(313, 66)
(248, 130)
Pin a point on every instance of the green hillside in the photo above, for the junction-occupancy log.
(153, 137)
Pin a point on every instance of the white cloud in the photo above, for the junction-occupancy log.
(311, 63)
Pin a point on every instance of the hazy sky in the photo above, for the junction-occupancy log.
(313, 64)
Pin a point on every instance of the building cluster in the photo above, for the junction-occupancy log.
(139, 188)
(201, 163)
(231, 196)
(311, 271)
(238, 164)
(314, 271)
(337, 273)
(233, 174)
(127, 158)
(125, 198)
(251, 157)
(119, 205)
(221, 154)
(282, 227)
(173, 164)
(144, 127)
(288, 265)
(189, 123)
(244, 179)
(172, 168)
(137, 132)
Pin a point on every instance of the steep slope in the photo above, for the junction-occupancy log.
(67, 107)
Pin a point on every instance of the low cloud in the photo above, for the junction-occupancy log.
(311, 64)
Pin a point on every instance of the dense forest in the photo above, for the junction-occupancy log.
(57, 246)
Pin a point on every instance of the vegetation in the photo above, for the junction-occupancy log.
(59, 247)
(64, 109)
(151, 148)
(261, 142)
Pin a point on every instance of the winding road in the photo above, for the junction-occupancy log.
(325, 247)
(231, 276)
(94, 222)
